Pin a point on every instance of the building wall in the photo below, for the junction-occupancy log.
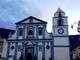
(59, 41)
(61, 53)
(40, 51)
(2, 44)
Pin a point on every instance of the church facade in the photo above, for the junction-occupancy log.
(31, 41)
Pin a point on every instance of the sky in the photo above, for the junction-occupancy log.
(12, 11)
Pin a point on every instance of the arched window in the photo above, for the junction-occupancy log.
(30, 32)
(40, 30)
(20, 31)
(60, 22)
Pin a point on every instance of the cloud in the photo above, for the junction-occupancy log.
(13, 11)
(7, 25)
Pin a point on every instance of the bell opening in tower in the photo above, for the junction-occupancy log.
(60, 22)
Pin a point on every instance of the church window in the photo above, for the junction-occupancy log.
(30, 32)
(40, 31)
(12, 47)
(47, 47)
(20, 32)
(40, 47)
(19, 48)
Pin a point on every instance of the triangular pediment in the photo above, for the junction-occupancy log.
(31, 20)
(30, 43)
(59, 10)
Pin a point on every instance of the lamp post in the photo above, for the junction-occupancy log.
(78, 28)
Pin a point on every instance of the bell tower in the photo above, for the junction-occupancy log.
(60, 36)
(60, 23)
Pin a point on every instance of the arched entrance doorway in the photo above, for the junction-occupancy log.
(29, 53)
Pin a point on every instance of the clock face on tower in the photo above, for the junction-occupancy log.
(60, 30)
